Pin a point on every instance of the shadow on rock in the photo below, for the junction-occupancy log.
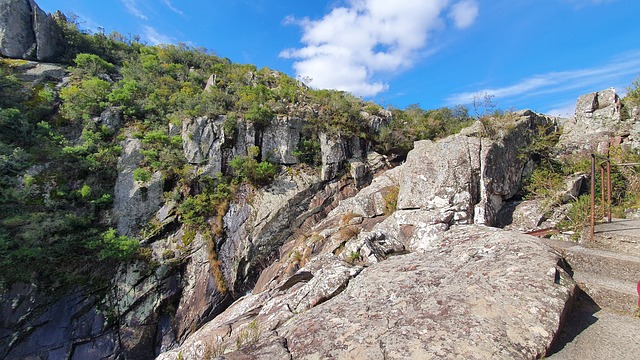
(581, 317)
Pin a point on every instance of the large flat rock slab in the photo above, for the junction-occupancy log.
(485, 293)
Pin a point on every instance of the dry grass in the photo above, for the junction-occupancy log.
(390, 199)
(349, 232)
(215, 265)
(346, 218)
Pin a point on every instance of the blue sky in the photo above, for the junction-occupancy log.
(538, 54)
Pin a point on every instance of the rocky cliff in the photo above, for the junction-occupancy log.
(601, 121)
(27, 32)
(269, 227)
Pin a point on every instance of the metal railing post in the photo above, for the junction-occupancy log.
(602, 191)
(593, 193)
(609, 189)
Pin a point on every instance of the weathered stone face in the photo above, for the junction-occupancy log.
(485, 294)
(134, 202)
(48, 35)
(600, 121)
(280, 139)
(17, 39)
(443, 174)
(27, 32)
(480, 293)
(257, 228)
(469, 173)
(336, 151)
(334, 154)
(202, 141)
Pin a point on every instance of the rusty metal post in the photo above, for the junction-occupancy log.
(602, 191)
(609, 189)
(593, 193)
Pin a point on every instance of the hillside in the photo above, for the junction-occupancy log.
(163, 201)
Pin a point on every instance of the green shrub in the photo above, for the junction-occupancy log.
(156, 137)
(260, 116)
(85, 191)
(633, 92)
(544, 183)
(117, 247)
(141, 175)
(86, 99)
(247, 168)
(578, 217)
(353, 257)
(308, 152)
(92, 65)
(212, 201)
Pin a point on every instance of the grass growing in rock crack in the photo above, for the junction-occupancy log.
(248, 336)
(390, 199)
(354, 257)
(215, 349)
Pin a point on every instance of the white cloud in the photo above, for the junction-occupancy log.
(591, 79)
(154, 37)
(132, 7)
(349, 47)
(172, 8)
(464, 13)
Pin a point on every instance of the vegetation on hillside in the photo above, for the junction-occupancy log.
(58, 165)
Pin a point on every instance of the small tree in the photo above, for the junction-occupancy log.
(633, 92)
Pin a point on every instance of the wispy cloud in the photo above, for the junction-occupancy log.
(589, 79)
(132, 7)
(580, 4)
(566, 109)
(154, 37)
(172, 8)
(464, 13)
(352, 45)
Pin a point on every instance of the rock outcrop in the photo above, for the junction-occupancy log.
(202, 141)
(260, 223)
(143, 311)
(337, 151)
(280, 140)
(601, 120)
(483, 293)
(27, 32)
(135, 202)
(470, 174)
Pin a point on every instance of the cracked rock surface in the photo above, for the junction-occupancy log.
(483, 293)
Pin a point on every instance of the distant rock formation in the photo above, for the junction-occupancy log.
(601, 120)
(27, 32)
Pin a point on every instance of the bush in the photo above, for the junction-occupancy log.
(84, 100)
(213, 201)
(308, 152)
(260, 116)
(633, 92)
(92, 65)
(141, 175)
(578, 217)
(544, 183)
(247, 168)
(117, 247)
